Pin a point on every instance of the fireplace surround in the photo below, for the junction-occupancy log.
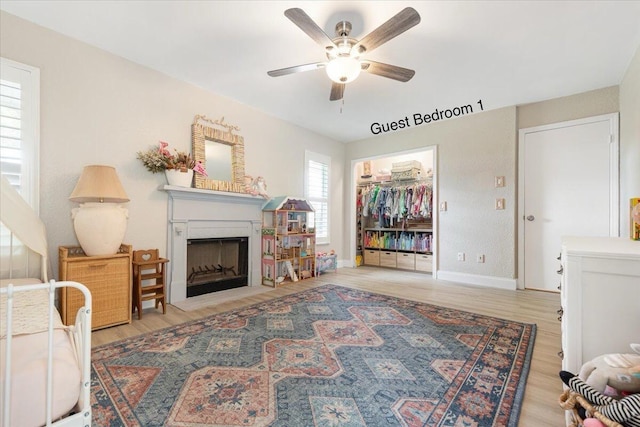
(207, 214)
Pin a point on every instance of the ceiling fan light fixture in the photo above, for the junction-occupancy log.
(345, 55)
(343, 69)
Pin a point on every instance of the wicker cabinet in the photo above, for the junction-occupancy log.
(108, 277)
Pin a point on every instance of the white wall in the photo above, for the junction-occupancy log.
(578, 106)
(629, 140)
(472, 150)
(97, 108)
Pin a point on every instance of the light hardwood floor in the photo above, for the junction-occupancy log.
(540, 407)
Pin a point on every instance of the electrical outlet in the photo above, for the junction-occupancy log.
(443, 206)
(499, 181)
(499, 204)
(480, 258)
(460, 256)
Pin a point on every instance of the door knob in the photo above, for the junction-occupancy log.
(530, 217)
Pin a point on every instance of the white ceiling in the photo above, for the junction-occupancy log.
(501, 52)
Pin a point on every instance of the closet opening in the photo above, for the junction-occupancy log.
(395, 219)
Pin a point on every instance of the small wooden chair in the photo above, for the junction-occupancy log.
(147, 265)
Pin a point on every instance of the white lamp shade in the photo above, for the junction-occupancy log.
(343, 69)
(100, 227)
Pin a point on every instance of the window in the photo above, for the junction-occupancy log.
(19, 127)
(19, 153)
(316, 172)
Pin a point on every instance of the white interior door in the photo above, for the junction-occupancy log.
(569, 187)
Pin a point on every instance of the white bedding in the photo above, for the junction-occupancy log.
(29, 359)
(29, 369)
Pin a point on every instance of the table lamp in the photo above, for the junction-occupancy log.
(100, 222)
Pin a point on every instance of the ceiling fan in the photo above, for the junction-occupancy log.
(346, 55)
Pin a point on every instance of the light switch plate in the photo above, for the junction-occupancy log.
(499, 204)
(443, 206)
(499, 181)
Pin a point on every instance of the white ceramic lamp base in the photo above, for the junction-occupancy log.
(100, 227)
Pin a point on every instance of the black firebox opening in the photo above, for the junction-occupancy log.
(216, 264)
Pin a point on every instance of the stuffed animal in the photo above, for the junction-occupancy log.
(593, 422)
(259, 187)
(248, 185)
(625, 411)
(305, 274)
(618, 371)
(255, 186)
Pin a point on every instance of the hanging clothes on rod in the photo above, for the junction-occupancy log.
(392, 203)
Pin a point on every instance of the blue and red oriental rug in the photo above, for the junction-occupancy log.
(329, 356)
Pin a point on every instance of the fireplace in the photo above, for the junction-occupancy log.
(198, 217)
(216, 264)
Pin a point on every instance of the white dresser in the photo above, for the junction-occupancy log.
(600, 297)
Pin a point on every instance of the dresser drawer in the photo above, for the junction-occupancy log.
(100, 271)
(388, 259)
(371, 257)
(406, 261)
(424, 262)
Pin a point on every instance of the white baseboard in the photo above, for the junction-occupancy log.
(452, 276)
(345, 263)
(474, 279)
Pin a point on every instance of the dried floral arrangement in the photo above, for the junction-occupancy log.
(159, 159)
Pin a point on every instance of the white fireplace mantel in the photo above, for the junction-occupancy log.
(197, 214)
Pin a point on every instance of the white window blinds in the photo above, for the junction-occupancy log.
(19, 156)
(317, 169)
(19, 124)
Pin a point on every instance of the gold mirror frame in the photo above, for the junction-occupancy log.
(202, 131)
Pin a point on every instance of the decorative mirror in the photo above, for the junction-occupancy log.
(221, 152)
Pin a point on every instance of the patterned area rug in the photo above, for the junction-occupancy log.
(330, 356)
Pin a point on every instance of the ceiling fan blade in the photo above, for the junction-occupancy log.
(296, 69)
(405, 19)
(306, 24)
(337, 91)
(387, 70)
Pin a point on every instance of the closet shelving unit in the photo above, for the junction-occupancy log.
(408, 245)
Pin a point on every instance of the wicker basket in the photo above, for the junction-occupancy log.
(410, 164)
(572, 401)
(406, 170)
(407, 174)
